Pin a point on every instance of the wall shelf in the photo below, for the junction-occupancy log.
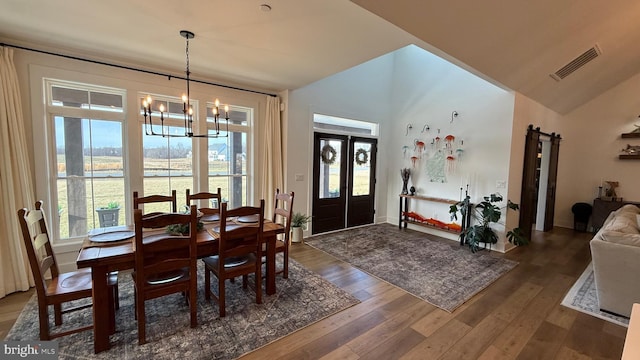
(629, 157)
(631, 135)
(427, 225)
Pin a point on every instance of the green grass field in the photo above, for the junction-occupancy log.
(111, 189)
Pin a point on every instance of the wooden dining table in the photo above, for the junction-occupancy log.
(105, 257)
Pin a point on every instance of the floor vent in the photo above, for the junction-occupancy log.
(576, 63)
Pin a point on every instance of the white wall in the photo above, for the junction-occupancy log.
(591, 145)
(426, 90)
(360, 93)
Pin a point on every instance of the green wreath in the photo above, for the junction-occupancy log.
(361, 156)
(328, 154)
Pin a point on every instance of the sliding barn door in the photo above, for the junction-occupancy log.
(529, 191)
(551, 182)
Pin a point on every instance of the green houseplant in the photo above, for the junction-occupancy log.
(299, 223)
(485, 213)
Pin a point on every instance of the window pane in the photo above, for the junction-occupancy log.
(237, 115)
(62, 96)
(361, 168)
(83, 98)
(333, 123)
(105, 101)
(168, 166)
(228, 166)
(89, 170)
(165, 156)
(330, 173)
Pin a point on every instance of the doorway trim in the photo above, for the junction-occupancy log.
(530, 193)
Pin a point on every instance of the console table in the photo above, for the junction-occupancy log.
(602, 209)
(404, 207)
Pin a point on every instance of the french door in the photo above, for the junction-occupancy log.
(344, 170)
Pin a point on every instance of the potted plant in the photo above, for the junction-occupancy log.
(108, 215)
(485, 213)
(299, 223)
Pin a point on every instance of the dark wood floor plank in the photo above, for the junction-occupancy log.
(476, 340)
(545, 343)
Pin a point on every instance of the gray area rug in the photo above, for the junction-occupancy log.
(583, 297)
(439, 272)
(301, 300)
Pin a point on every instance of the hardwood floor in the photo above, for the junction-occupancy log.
(517, 317)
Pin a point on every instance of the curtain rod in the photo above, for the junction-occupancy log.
(169, 76)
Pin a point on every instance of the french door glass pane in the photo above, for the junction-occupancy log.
(330, 150)
(361, 169)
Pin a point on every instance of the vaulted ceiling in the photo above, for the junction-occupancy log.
(515, 44)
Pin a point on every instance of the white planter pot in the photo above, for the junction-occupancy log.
(296, 234)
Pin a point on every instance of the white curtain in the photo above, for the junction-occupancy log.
(16, 186)
(272, 155)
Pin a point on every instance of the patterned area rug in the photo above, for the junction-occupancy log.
(301, 300)
(439, 272)
(583, 297)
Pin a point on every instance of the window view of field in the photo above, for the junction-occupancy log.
(90, 184)
(103, 189)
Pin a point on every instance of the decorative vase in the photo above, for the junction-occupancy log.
(405, 173)
(296, 234)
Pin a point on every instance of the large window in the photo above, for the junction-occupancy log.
(88, 165)
(98, 151)
(228, 154)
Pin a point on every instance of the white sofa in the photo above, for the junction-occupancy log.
(615, 251)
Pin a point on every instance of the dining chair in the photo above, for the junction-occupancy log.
(164, 263)
(239, 251)
(139, 200)
(283, 209)
(62, 287)
(206, 196)
(210, 212)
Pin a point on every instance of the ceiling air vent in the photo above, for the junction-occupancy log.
(577, 63)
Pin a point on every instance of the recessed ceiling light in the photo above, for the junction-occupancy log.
(265, 7)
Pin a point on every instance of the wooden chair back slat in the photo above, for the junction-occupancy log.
(282, 214)
(138, 200)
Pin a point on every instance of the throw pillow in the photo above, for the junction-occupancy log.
(638, 220)
(621, 238)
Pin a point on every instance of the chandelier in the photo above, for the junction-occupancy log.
(187, 110)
